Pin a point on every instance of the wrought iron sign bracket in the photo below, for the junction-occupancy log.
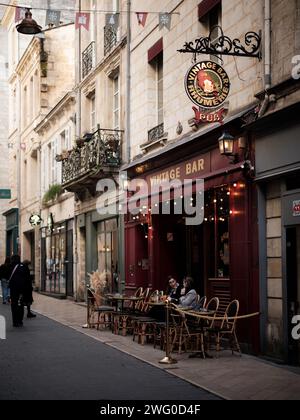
(223, 45)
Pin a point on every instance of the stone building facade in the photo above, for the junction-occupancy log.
(36, 84)
(4, 151)
(132, 114)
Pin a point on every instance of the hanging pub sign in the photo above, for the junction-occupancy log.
(207, 85)
(35, 220)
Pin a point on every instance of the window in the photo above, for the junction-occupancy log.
(25, 107)
(116, 103)
(93, 124)
(93, 21)
(107, 243)
(159, 89)
(32, 94)
(217, 214)
(214, 19)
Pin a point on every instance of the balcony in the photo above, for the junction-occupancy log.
(95, 158)
(88, 59)
(110, 38)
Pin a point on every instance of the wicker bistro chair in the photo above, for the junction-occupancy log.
(123, 321)
(104, 313)
(227, 328)
(143, 324)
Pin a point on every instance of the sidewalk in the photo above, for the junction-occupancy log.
(231, 377)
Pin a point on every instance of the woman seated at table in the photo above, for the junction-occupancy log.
(189, 295)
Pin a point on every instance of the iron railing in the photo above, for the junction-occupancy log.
(110, 38)
(103, 149)
(156, 133)
(88, 59)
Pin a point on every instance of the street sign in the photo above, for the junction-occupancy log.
(5, 194)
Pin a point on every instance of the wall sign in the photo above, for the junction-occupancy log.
(296, 208)
(5, 194)
(207, 85)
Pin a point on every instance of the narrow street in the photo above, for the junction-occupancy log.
(47, 361)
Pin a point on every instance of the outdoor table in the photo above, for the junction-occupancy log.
(122, 298)
(197, 314)
(124, 317)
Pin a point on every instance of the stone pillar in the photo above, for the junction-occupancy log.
(274, 270)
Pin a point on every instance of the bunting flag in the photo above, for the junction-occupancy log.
(53, 17)
(142, 17)
(20, 13)
(165, 20)
(82, 19)
(112, 19)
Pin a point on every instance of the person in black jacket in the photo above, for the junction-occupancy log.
(4, 278)
(173, 290)
(27, 298)
(18, 284)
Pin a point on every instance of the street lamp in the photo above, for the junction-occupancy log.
(226, 143)
(28, 26)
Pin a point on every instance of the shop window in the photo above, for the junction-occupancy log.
(217, 213)
(108, 253)
(55, 260)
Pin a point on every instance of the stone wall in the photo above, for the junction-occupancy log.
(274, 270)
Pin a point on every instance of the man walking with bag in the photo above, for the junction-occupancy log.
(17, 284)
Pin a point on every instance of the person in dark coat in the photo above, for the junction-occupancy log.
(173, 290)
(4, 278)
(18, 285)
(27, 298)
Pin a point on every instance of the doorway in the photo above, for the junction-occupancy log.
(293, 289)
(69, 261)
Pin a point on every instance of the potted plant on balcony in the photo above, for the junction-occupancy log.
(53, 193)
(62, 156)
(80, 142)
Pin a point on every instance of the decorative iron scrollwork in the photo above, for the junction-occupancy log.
(223, 45)
(156, 133)
(103, 149)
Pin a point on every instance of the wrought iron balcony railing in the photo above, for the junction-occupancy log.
(88, 59)
(156, 133)
(110, 38)
(102, 150)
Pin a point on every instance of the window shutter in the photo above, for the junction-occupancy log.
(205, 7)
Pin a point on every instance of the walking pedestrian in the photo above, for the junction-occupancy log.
(27, 298)
(17, 284)
(4, 277)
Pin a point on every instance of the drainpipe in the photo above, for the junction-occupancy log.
(267, 51)
(78, 101)
(128, 84)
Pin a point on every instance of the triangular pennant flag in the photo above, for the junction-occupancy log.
(142, 17)
(20, 13)
(165, 20)
(53, 17)
(112, 19)
(82, 19)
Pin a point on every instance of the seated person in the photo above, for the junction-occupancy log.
(174, 289)
(173, 294)
(189, 298)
